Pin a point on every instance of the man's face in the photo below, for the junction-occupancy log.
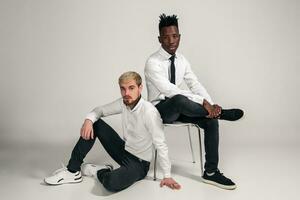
(169, 38)
(130, 91)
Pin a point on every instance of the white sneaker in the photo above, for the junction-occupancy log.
(89, 169)
(62, 176)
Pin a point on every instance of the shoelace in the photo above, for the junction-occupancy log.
(222, 175)
(218, 172)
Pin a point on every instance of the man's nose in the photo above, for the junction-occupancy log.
(126, 92)
(171, 40)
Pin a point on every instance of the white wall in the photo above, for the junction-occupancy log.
(61, 58)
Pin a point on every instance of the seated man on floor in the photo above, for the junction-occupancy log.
(142, 129)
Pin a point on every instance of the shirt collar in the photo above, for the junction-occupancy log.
(165, 54)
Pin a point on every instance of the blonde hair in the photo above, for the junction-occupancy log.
(131, 75)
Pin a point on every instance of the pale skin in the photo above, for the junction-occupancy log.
(131, 93)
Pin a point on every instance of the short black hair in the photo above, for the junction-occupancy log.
(167, 20)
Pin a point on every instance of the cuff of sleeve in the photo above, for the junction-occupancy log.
(197, 99)
(210, 101)
(167, 175)
(91, 117)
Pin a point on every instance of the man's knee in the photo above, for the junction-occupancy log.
(98, 124)
(180, 100)
(99, 128)
(112, 184)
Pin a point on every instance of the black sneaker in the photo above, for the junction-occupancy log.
(219, 180)
(231, 114)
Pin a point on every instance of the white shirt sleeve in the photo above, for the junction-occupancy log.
(154, 74)
(195, 86)
(112, 108)
(154, 125)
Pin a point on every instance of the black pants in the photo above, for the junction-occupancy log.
(180, 108)
(131, 168)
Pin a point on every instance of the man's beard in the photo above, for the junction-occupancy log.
(132, 102)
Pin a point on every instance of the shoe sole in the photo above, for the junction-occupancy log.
(226, 187)
(65, 182)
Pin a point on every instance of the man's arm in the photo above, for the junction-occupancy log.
(154, 125)
(112, 108)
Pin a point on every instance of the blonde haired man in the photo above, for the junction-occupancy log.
(142, 129)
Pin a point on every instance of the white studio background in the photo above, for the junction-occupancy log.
(61, 58)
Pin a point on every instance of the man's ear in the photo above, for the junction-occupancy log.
(141, 88)
(159, 39)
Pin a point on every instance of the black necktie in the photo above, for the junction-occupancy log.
(172, 58)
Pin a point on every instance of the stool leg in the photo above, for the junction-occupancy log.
(191, 145)
(155, 159)
(200, 146)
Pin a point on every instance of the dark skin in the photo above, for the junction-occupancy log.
(169, 38)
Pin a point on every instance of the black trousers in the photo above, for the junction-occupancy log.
(180, 108)
(131, 168)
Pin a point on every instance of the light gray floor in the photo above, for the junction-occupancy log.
(260, 172)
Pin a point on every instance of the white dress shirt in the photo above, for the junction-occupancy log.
(157, 73)
(142, 128)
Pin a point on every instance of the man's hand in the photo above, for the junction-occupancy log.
(218, 109)
(210, 109)
(171, 183)
(87, 131)
(213, 110)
